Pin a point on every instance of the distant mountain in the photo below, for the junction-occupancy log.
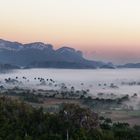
(8, 67)
(60, 64)
(38, 54)
(130, 65)
(107, 67)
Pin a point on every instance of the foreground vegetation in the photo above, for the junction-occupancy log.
(20, 121)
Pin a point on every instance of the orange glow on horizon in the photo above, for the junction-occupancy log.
(105, 26)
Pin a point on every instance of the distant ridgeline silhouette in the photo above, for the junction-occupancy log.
(42, 55)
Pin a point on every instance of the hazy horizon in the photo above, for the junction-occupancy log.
(104, 30)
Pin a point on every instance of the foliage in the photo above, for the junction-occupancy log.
(20, 121)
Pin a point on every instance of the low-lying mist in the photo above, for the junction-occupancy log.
(100, 83)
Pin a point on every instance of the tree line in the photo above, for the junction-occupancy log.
(21, 121)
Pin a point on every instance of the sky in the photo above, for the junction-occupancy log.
(107, 30)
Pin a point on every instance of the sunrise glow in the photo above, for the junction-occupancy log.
(103, 29)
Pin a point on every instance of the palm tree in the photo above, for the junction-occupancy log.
(66, 113)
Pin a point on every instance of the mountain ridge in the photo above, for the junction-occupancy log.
(38, 54)
(130, 65)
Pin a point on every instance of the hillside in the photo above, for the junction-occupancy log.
(38, 54)
(20, 121)
(130, 65)
(7, 67)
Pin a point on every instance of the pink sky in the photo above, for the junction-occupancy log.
(104, 29)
